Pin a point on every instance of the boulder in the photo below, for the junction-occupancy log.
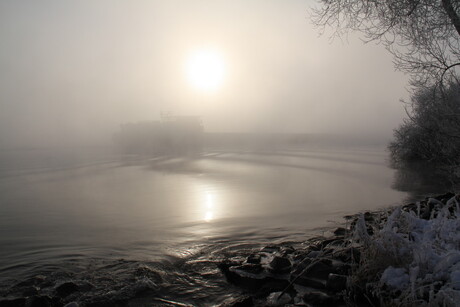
(320, 298)
(15, 302)
(340, 231)
(250, 268)
(253, 258)
(270, 249)
(276, 299)
(321, 269)
(287, 250)
(306, 281)
(336, 282)
(41, 301)
(280, 265)
(243, 302)
(30, 291)
(67, 288)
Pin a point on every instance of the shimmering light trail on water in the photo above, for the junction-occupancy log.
(176, 217)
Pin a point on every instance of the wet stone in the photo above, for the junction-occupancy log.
(368, 217)
(34, 281)
(41, 301)
(253, 258)
(30, 291)
(306, 281)
(315, 254)
(280, 265)
(244, 302)
(287, 250)
(271, 249)
(340, 231)
(444, 197)
(16, 302)
(336, 282)
(302, 258)
(276, 299)
(250, 268)
(319, 298)
(321, 269)
(66, 289)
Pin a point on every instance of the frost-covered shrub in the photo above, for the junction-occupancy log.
(411, 260)
(432, 132)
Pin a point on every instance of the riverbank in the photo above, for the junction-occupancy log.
(403, 256)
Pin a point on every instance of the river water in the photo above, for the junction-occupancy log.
(125, 224)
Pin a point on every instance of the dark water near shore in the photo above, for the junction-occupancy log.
(128, 223)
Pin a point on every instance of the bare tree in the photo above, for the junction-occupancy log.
(423, 35)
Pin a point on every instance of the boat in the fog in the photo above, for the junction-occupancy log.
(171, 135)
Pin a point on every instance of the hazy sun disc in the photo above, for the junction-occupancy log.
(206, 69)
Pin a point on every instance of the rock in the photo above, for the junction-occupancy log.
(85, 286)
(251, 268)
(253, 258)
(287, 250)
(302, 257)
(336, 282)
(315, 254)
(34, 281)
(306, 281)
(444, 197)
(321, 269)
(319, 244)
(410, 207)
(280, 265)
(16, 302)
(270, 249)
(30, 291)
(319, 298)
(66, 289)
(368, 217)
(245, 302)
(348, 255)
(340, 231)
(336, 243)
(72, 304)
(40, 301)
(244, 276)
(276, 299)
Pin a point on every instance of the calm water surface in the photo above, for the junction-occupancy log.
(173, 217)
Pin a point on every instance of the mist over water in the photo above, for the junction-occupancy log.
(65, 213)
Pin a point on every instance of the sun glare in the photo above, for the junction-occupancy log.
(206, 69)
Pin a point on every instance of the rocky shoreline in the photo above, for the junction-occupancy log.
(344, 268)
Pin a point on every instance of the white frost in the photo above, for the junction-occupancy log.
(427, 252)
(396, 278)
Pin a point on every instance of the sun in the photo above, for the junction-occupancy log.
(205, 69)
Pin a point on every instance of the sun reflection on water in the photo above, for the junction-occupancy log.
(209, 215)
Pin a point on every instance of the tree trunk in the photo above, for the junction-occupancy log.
(454, 18)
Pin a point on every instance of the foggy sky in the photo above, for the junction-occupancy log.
(72, 71)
